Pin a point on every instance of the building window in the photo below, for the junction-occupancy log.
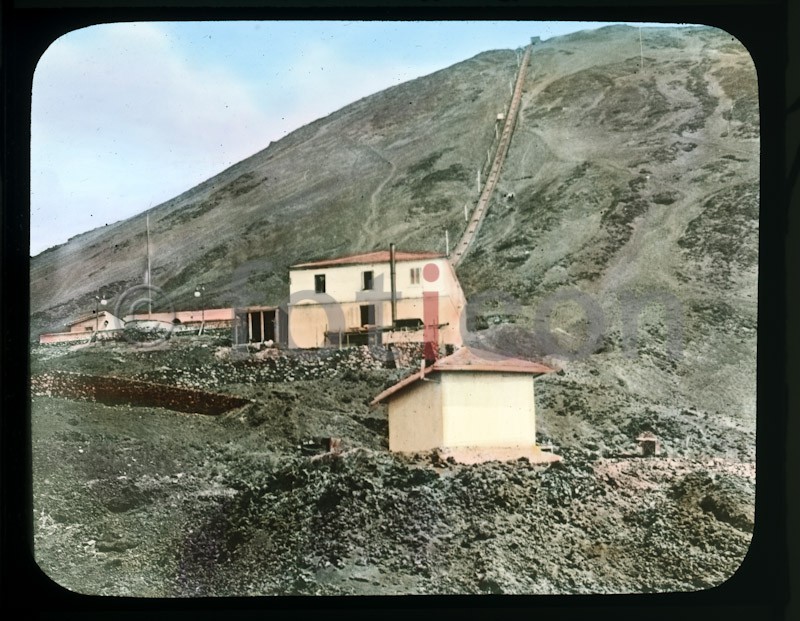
(367, 314)
(414, 275)
(319, 283)
(88, 328)
(366, 283)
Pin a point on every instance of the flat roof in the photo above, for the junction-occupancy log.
(252, 309)
(380, 256)
(469, 359)
(89, 316)
(211, 314)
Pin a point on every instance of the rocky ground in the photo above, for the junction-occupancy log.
(145, 501)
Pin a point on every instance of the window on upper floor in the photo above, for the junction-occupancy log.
(366, 280)
(319, 283)
(415, 275)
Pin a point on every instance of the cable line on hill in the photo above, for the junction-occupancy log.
(478, 214)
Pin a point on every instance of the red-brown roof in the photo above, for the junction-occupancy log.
(470, 359)
(380, 256)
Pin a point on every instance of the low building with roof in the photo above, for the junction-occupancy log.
(259, 324)
(208, 318)
(84, 328)
(473, 405)
(350, 300)
(106, 325)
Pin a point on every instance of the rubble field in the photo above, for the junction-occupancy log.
(140, 500)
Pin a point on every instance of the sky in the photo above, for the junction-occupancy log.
(126, 116)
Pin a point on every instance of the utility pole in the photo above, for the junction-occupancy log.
(393, 283)
(149, 293)
(197, 293)
(447, 242)
(641, 51)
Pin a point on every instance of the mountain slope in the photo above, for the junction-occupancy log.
(395, 166)
(633, 175)
(636, 189)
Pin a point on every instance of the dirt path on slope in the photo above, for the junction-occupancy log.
(369, 229)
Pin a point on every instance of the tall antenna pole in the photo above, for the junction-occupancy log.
(149, 295)
(393, 283)
(641, 50)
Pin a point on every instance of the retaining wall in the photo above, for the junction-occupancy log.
(123, 391)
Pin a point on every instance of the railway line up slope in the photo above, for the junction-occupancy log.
(461, 248)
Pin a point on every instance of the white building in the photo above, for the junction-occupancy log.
(349, 300)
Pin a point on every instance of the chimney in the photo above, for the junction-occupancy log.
(393, 279)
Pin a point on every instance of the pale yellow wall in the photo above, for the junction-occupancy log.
(415, 418)
(487, 409)
(343, 298)
(406, 336)
(343, 282)
(449, 313)
(83, 326)
(209, 314)
(308, 323)
(63, 337)
(97, 322)
(114, 323)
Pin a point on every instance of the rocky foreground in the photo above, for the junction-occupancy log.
(147, 501)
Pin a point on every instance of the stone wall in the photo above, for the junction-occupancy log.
(122, 391)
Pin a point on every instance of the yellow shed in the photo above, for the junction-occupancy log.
(473, 405)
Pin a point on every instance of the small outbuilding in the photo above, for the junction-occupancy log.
(84, 328)
(648, 442)
(473, 405)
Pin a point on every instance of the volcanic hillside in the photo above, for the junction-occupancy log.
(396, 166)
(636, 187)
(600, 141)
(633, 175)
